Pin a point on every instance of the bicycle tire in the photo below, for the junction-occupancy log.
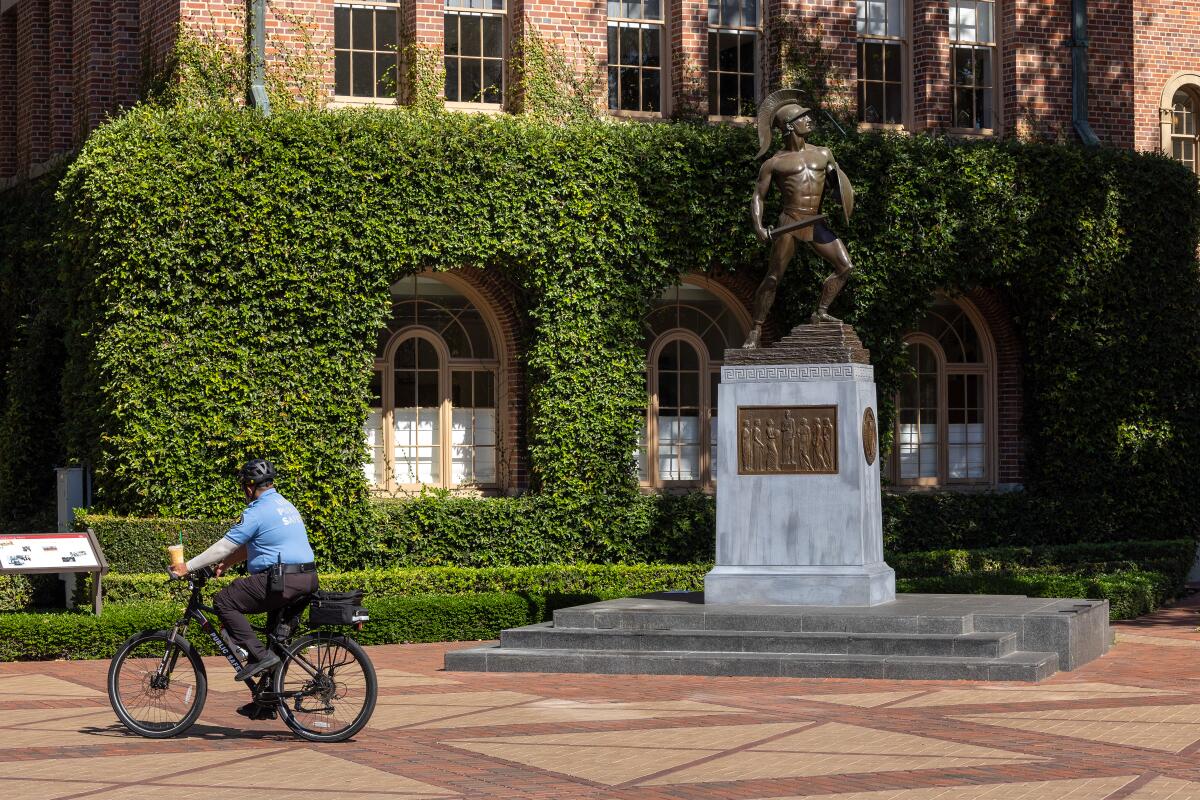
(304, 722)
(153, 646)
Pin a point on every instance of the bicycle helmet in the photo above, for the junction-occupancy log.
(257, 471)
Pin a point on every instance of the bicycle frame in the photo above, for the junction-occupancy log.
(197, 611)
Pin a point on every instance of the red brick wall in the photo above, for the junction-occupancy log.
(159, 22)
(1166, 41)
(34, 129)
(1111, 71)
(1035, 58)
(830, 21)
(578, 27)
(687, 37)
(61, 109)
(1010, 441)
(931, 64)
(8, 94)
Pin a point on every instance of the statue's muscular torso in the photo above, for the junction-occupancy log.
(799, 175)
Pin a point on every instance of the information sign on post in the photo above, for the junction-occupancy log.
(34, 553)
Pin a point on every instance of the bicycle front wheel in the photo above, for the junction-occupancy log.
(328, 687)
(157, 687)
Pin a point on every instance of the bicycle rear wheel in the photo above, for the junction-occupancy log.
(335, 700)
(157, 687)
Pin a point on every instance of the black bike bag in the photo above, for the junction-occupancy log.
(336, 608)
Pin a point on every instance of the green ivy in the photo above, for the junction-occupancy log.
(224, 277)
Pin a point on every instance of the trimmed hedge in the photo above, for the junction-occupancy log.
(560, 579)
(428, 618)
(181, 230)
(1130, 592)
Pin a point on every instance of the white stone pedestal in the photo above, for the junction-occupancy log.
(800, 539)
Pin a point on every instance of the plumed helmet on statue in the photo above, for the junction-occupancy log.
(774, 103)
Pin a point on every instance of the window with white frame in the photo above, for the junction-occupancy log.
(635, 55)
(687, 333)
(732, 57)
(366, 50)
(474, 47)
(943, 410)
(881, 27)
(1183, 128)
(433, 415)
(973, 63)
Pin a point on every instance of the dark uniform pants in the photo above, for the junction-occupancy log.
(249, 595)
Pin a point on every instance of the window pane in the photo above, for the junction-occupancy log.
(653, 9)
(731, 12)
(689, 389)
(471, 75)
(749, 13)
(747, 59)
(873, 112)
(341, 72)
(493, 80)
(874, 56)
(629, 89)
(389, 71)
(650, 48)
(341, 28)
(729, 94)
(362, 74)
(452, 93)
(983, 20)
(363, 29)
(893, 69)
(630, 46)
(451, 27)
(493, 36)
(895, 19)
(893, 103)
(469, 40)
(651, 90)
(386, 31)
(613, 88)
(427, 389)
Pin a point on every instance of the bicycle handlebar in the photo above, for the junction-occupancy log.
(204, 573)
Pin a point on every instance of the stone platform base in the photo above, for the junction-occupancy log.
(917, 637)
(870, 585)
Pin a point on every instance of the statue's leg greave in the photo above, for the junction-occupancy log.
(835, 253)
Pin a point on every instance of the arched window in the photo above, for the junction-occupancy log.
(433, 418)
(687, 333)
(944, 412)
(1183, 127)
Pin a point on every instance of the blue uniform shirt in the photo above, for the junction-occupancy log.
(272, 530)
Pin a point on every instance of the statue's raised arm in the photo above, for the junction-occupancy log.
(799, 172)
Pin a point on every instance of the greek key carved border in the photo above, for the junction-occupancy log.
(797, 372)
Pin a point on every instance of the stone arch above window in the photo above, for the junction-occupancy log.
(945, 428)
(687, 332)
(437, 415)
(1178, 123)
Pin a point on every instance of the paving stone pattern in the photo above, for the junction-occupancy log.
(1124, 727)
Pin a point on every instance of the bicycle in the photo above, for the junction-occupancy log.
(157, 683)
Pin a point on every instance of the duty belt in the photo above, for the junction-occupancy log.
(292, 569)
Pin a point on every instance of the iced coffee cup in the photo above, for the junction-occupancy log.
(176, 553)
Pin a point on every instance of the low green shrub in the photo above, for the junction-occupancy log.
(16, 592)
(626, 579)
(1173, 557)
(1130, 593)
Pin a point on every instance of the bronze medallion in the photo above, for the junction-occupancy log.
(787, 440)
(870, 436)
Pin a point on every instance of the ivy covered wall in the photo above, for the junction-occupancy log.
(224, 277)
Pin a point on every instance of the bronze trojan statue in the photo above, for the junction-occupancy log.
(799, 171)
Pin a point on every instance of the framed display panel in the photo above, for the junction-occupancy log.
(53, 553)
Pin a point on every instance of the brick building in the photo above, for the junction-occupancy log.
(1124, 73)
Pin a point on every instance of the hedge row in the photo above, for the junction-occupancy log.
(437, 529)
(429, 618)
(1171, 558)
(1130, 592)
(625, 580)
(435, 618)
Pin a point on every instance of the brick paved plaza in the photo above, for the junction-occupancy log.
(1126, 726)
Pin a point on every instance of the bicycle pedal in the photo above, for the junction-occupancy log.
(257, 711)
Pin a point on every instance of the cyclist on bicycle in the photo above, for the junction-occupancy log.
(269, 534)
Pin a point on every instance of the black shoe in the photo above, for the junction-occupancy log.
(255, 710)
(255, 667)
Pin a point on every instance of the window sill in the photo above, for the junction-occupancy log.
(956, 488)
(476, 108)
(971, 133)
(897, 127)
(344, 101)
(734, 120)
(638, 116)
(413, 492)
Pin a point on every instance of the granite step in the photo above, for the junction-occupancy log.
(775, 619)
(972, 645)
(1016, 666)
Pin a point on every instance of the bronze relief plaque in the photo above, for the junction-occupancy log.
(870, 436)
(787, 440)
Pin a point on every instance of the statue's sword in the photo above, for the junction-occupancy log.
(795, 226)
